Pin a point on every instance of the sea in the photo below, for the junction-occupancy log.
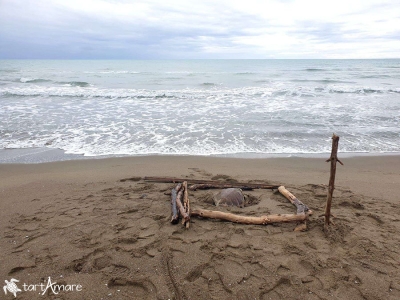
(66, 109)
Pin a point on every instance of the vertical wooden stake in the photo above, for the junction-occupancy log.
(333, 159)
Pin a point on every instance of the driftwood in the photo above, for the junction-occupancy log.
(179, 204)
(333, 159)
(185, 196)
(302, 226)
(175, 213)
(301, 207)
(208, 186)
(212, 182)
(269, 219)
(175, 216)
(186, 204)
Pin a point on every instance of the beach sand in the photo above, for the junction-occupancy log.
(78, 223)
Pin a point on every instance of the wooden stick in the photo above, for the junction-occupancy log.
(175, 213)
(333, 159)
(188, 221)
(302, 226)
(186, 204)
(301, 207)
(207, 186)
(216, 182)
(185, 195)
(212, 214)
(179, 204)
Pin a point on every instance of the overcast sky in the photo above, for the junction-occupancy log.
(163, 29)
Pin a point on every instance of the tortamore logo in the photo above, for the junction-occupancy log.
(42, 288)
(12, 287)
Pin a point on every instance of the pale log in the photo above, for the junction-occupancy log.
(188, 211)
(301, 227)
(175, 213)
(179, 204)
(185, 196)
(186, 204)
(175, 216)
(262, 220)
(301, 207)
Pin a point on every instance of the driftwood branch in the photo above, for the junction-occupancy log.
(175, 216)
(333, 159)
(302, 226)
(207, 186)
(301, 207)
(212, 182)
(179, 204)
(185, 195)
(186, 205)
(269, 219)
(175, 213)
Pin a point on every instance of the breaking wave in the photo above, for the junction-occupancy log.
(315, 70)
(200, 108)
(33, 80)
(88, 91)
(74, 83)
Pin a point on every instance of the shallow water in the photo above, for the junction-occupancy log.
(200, 107)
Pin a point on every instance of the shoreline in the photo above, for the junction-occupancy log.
(77, 220)
(38, 155)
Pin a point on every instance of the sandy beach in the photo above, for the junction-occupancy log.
(79, 222)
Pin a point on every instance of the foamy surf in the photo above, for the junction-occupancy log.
(186, 108)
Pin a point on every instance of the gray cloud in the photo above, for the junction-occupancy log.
(208, 29)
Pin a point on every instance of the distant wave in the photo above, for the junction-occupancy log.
(315, 70)
(8, 70)
(357, 91)
(74, 83)
(322, 81)
(245, 73)
(376, 76)
(112, 72)
(159, 96)
(33, 80)
(89, 91)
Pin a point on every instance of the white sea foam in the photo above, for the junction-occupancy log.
(23, 79)
(276, 90)
(120, 112)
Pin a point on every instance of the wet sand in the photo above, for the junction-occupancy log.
(78, 223)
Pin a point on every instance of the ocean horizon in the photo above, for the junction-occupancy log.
(236, 108)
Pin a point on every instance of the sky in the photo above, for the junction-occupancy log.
(203, 29)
